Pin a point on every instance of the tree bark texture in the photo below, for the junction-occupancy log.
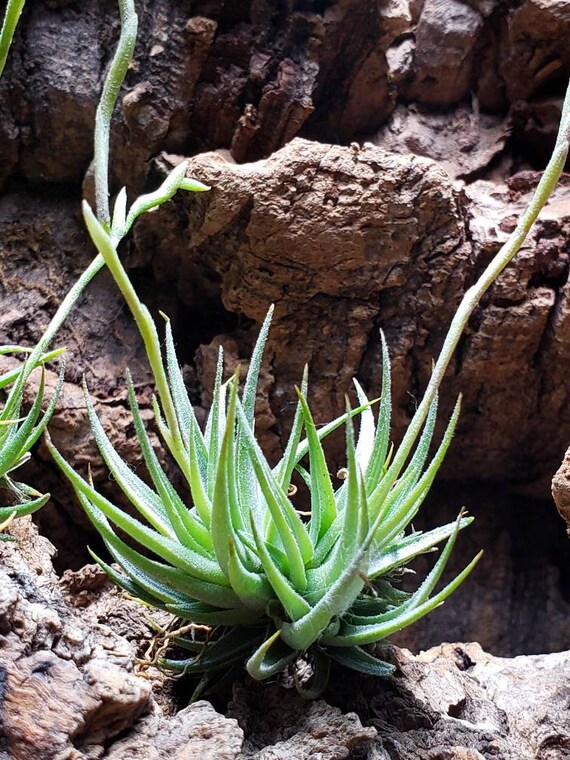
(70, 690)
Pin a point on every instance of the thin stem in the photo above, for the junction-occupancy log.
(107, 246)
(11, 17)
(61, 314)
(111, 89)
(473, 296)
(68, 303)
(149, 334)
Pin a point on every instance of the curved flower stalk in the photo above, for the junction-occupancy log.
(18, 434)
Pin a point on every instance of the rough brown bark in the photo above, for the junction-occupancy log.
(561, 490)
(68, 690)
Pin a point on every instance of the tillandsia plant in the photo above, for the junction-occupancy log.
(241, 559)
(271, 587)
(19, 433)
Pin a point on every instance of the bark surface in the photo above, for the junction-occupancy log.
(69, 691)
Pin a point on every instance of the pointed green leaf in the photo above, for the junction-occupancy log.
(326, 543)
(124, 582)
(188, 529)
(270, 658)
(379, 502)
(398, 514)
(305, 631)
(225, 511)
(293, 603)
(292, 532)
(354, 527)
(164, 582)
(250, 387)
(137, 491)
(14, 444)
(216, 424)
(247, 486)
(213, 617)
(402, 552)
(119, 215)
(47, 415)
(186, 559)
(232, 647)
(24, 508)
(365, 444)
(197, 481)
(253, 589)
(351, 635)
(182, 406)
(323, 507)
(193, 185)
(303, 447)
(360, 660)
(284, 469)
(382, 438)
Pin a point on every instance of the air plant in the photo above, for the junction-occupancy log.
(242, 559)
(19, 433)
(274, 588)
